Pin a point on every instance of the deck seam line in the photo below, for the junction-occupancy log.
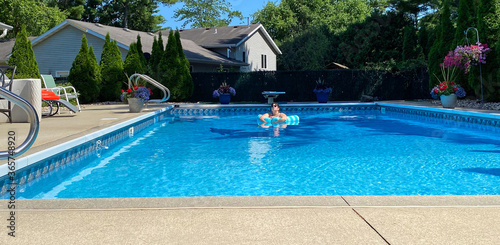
(373, 228)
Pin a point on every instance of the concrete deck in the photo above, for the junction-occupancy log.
(237, 220)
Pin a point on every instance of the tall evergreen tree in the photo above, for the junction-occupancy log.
(187, 85)
(156, 57)
(439, 49)
(410, 43)
(466, 18)
(486, 17)
(95, 72)
(23, 57)
(84, 74)
(133, 62)
(139, 51)
(169, 67)
(111, 71)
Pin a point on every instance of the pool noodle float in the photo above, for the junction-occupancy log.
(290, 120)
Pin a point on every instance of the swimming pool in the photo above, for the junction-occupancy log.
(339, 150)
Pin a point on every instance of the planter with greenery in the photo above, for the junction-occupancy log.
(27, 83)
(322, 91)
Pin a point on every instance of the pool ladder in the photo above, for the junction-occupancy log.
(32, 118)
(135, 79)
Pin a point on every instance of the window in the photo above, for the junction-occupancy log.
(263, 58)
(244, 54)
(62, 73)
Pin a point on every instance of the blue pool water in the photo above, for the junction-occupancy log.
(334, 153)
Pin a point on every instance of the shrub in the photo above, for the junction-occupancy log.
(84, 74)
(23, 57)
(111, 71)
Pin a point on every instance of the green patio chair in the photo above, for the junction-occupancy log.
(66, 93)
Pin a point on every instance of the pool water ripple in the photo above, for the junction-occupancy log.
(328, 153)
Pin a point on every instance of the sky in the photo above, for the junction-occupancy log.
(246, 7)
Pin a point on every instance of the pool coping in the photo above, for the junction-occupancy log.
(443, 201)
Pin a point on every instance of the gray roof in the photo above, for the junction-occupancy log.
(124, 37)
(6, 46)
(226, 36)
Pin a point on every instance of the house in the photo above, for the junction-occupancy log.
(248, 43)
(56, 49)
(4, 28)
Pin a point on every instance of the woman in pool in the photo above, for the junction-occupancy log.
(275, 112)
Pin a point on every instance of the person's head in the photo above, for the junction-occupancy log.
(275, 106)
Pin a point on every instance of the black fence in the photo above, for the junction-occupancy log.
(348, 85)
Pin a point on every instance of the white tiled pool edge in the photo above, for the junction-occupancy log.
(41, 155)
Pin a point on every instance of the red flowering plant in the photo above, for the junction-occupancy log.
(137, 91)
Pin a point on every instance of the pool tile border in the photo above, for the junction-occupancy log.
(41, 164)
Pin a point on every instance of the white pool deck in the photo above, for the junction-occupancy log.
(237, 220)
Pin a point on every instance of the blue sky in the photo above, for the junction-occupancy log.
(246, 7)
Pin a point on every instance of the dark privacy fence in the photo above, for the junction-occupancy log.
(348, 85)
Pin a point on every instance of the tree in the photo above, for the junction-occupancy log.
(186, 86)
(84, 74)
(488, 27)
(111, 71)
(466, 18)
(74, 8)
(23, 57)
(367, 42)
(141, 54)
(309, 51)
(206, 13)
(169, 68)
(133, 62)
(292, 18)
(133, 14)
(410, 46)
(156, 57)
(35, 15)
(440, 46)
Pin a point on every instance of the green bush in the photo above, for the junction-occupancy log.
(133, 63)
(169, 68)
(84, 74)
(23, 57)
(111, 71)
(185, 85)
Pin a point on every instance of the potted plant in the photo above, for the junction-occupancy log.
(136, 96)
(27, 82)
(459, 59)
(224, 93)
(322, 91)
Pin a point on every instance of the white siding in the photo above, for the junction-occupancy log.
(254, 47)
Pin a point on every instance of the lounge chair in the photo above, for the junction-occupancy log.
(6, 83)
(54, 100)
(67, 93)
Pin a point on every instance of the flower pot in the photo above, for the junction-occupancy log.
(322, 97)
(135, 105)
(225, 98)
(449, 101)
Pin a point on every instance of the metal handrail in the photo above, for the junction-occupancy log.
(148, 79)
(32, 117)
